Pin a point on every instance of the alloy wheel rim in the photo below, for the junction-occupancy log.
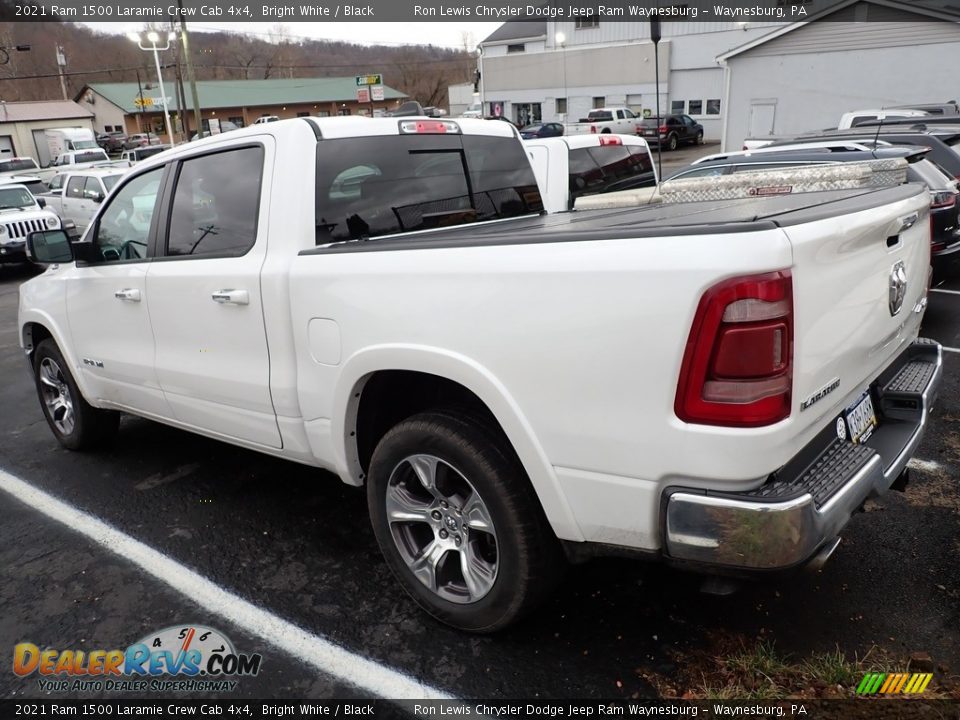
(442, 529)
(56, 395)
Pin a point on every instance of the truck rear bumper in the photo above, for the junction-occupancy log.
(799, 512)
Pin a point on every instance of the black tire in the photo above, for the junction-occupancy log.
(606, 131)
(699, 139)
(91, 427)
(672, 141)
(529, 558)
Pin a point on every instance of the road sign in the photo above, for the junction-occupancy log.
(375, 79)
(363, 95)
(376, 92)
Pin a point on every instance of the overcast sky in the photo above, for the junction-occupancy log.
(446, 34)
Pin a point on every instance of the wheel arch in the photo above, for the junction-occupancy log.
(466, 384)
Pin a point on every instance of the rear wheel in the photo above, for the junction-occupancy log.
(75, 423)
(672, 141)
(458, 522)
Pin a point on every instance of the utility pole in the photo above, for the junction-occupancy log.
(140, 90)
(191, 78)
(61, 64)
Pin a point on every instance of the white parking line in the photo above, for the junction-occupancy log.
(948, 292)
(302, 645)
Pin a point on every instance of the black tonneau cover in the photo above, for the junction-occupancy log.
(661, 220)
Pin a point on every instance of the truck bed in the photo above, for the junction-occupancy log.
(720, 216)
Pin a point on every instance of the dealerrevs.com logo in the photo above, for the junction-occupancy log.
(179, 658)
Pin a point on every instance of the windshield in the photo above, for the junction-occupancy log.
(382, 185)
(15, 197)
(18, 164)
(110, 180)
(84, 144)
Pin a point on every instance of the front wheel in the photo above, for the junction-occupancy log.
(458, 522)
(75, 423)
(699, 139)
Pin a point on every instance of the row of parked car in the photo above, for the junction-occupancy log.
(929, 143)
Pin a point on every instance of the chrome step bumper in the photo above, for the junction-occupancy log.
(803, 507)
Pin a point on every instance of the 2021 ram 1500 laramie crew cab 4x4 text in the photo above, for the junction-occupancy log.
(719, 388)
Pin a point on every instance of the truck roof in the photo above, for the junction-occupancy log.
(94, 171)
(575, 142)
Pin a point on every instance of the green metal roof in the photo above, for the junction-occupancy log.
(242, 93)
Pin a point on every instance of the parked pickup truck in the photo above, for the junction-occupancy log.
(605, 120)
(76, 195)
(17, 166)
(567, 168)
(76, 159)
(715, 385)
(20, 214)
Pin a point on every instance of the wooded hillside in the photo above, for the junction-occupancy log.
(422, 72)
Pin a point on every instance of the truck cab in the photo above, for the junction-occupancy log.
(574, 166)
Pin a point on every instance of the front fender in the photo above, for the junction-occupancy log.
(482, 383)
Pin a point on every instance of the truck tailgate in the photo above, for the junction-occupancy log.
(859, 286)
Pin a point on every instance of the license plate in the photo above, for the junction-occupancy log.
(650, 132)
(861, 420)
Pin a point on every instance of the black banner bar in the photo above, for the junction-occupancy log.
(495, 709)
(779, 11)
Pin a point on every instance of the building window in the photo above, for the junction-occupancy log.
(678, 107)
(343, 111)
(323, 113)
(518, 47)
(713, 107)
(238, 121)
(561, 106)
(599, 102)
(587, 23)
(696, 107)
(303, 114)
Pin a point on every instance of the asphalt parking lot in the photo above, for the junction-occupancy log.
(295, 543)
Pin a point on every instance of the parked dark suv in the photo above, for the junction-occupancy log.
(671, 130)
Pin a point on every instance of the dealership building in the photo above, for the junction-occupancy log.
(735, 78)
(138, 107)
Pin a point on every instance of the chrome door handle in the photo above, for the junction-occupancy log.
(231, 297)
(131, 294)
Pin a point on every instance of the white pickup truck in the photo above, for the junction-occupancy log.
(78, 159)
(76, 195)
(575, 166)
(718, 385)
(606, 120)
(19, 166)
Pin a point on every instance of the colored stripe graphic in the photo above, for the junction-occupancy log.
(894, 683)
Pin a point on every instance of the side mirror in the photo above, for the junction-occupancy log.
(41, 202)
(49, 247)
(98, 197)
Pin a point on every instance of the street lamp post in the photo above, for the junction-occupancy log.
(153, 37)
(561, 40)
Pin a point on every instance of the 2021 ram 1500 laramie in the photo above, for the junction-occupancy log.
(718, 385)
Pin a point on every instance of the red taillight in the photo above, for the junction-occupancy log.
(610, 140)
(662, 129)
(738, 364)
(593, 128)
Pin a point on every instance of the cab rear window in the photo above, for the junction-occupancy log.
(372, 186)
(608, 168)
